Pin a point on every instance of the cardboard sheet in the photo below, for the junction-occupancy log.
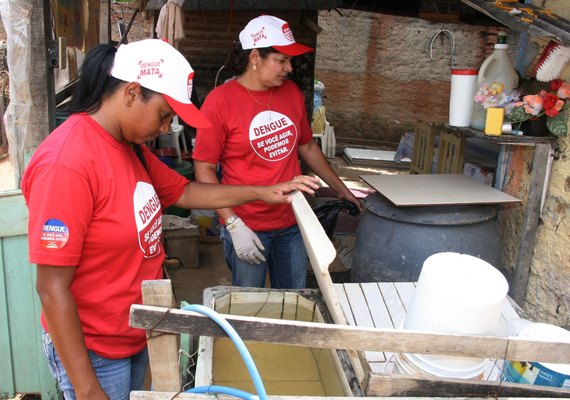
(435, 189)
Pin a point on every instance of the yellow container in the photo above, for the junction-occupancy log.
(494, 122)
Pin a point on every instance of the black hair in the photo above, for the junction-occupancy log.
(95, 81)
(238, 58)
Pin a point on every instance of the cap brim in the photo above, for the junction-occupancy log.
(295, 49)
(189, 113)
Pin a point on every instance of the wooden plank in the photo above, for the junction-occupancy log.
(13, 214)
(142, 395)
(320, 335)
(163, 349)
(377, 306)
(436, 189)
(405, 291)
(404, 385)
(380, 317)
(530, 223)
(541, 26)
(325, 284)
(361, 312)
(393, 303)
(344, 304)
(248, 5)
(321, 254)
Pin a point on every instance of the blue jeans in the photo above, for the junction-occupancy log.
(286, 260)
(117, 377)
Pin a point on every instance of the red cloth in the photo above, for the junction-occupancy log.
(93, 205)
(255, 145)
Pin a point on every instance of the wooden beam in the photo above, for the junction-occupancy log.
(218, 5)
(334, 336)
(409, 385)
(139, 395)
(530, 223)
(541, 25)
(162, 349)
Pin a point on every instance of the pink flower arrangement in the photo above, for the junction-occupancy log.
(547, 102)
(552, 104)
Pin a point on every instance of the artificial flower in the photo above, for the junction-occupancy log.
(551, 104)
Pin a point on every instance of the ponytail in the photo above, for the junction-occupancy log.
(95, 81)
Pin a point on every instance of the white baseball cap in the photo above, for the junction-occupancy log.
(158, 66)
(269, 31)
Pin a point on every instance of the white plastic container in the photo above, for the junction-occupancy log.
(461, 96)
(498, 67)
(535, 373)
(455, 293)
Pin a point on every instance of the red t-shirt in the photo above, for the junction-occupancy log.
(93, 205)
(255, 137)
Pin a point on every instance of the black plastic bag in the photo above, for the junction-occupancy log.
(327, 213)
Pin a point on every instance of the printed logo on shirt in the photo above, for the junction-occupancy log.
(272, 135)
(148, 216)
(55, 234)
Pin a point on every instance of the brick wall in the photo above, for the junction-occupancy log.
(379, 77)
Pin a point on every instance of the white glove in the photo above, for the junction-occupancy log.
(246, 243)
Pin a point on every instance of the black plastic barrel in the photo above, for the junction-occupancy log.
(392, 243)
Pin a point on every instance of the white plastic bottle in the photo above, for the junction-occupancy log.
(498, 67)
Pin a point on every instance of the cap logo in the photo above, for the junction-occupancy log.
(189, 84)
(287, 32)
(257, 36)
(150, 68)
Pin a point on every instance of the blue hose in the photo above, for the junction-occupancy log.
(240, 345)
(223, 390)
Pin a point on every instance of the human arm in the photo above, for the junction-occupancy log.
(60, 311)
(246, 243)
(312, 155)
(212, 195)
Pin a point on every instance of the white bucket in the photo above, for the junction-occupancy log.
(460, 294)
(534, 373)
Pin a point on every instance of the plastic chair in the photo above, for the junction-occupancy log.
(177, 134)
(424, 142)
(172, 139)
(450, 156)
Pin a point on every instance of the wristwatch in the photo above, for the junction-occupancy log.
(231, 220)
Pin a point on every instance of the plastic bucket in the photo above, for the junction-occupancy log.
(461, 96)
(460, 294)
(534, 373)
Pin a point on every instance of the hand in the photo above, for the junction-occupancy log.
(279, 193)
(352, 199)
(246, 243)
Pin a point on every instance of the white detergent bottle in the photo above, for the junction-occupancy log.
(498, 67)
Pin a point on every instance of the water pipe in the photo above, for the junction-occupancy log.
(243, 351)
(215, 389)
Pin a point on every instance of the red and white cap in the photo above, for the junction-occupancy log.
(269, 31)
(158, 66)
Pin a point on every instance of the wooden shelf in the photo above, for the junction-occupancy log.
(504, 138)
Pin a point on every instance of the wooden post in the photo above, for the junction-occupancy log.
(532, 214)
(105, 22)
(162, 349)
